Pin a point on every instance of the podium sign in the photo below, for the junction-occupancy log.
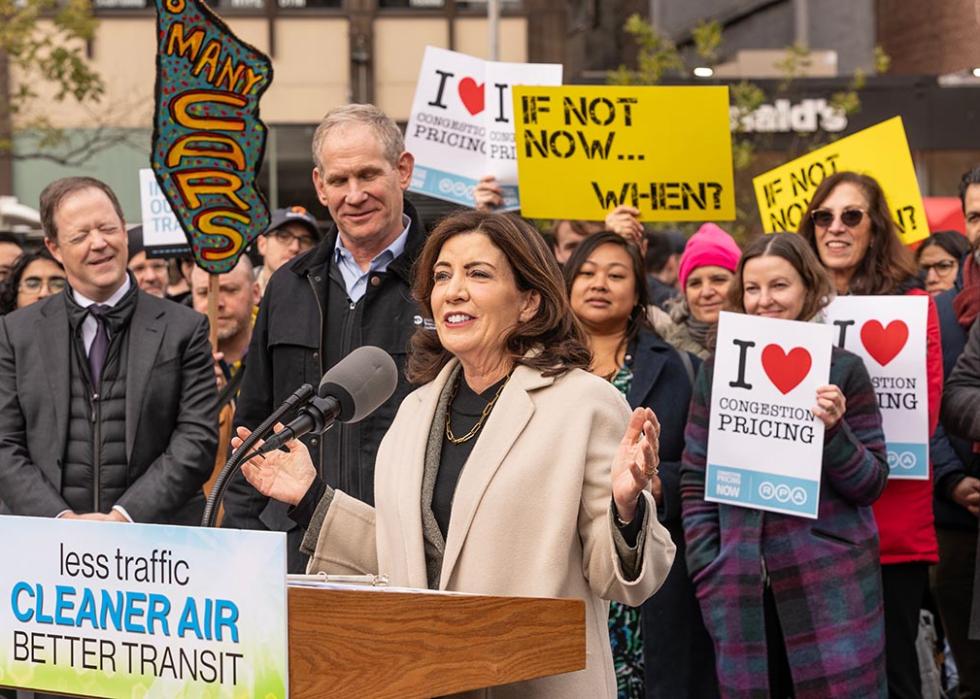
(123, 610)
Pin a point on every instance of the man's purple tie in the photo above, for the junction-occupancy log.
(100, 345)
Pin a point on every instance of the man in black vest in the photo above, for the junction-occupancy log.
(107, 394)
(352, 289)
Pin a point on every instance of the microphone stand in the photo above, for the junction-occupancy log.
(300, 396)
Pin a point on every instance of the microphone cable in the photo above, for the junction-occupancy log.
(300, 396)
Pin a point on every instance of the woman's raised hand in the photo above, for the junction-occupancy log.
(283, 476)
(488, 195)
(830, 406)
(637, 462)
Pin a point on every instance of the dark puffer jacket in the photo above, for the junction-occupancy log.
(293, 343)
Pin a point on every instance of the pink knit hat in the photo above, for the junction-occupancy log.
(709, 246)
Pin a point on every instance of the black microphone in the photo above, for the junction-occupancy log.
(351, 390)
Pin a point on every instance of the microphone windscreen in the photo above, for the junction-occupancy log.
(360, 382)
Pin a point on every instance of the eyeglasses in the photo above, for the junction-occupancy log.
(33, 285)
(822, 218)
(943, 267)
(285, 237)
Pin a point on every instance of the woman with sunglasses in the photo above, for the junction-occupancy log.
(939, 258)
(34, 276)
(793, 604)
(850, 227)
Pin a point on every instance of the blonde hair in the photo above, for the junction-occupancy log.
(387, 131)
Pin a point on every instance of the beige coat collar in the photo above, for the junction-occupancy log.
(509, 418)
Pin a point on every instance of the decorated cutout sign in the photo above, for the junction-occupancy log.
(881, 151)
(765, 447)
(462, 125)
(889, 334)
(208, 140)
(582, 150)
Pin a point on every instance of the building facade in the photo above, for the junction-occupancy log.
(329, 52)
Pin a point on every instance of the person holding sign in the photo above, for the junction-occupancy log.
(512, 470)
(605, 282)
(800, 597)
(849, 225)
(568, 234)
(705, 274)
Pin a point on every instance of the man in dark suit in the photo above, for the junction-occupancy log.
(107, 395)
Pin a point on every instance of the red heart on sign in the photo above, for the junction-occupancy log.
(786, 371)
(882, 343)
(471, 92)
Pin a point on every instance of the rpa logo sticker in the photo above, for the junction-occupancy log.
(782, 493)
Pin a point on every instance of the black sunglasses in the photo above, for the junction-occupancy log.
(850, 217)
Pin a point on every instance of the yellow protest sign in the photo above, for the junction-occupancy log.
(583, 150)
(881, 151)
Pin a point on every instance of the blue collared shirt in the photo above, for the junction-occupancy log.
(356, 279)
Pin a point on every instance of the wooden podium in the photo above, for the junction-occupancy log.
(376, 643)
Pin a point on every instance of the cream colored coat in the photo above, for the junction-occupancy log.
(530, 514)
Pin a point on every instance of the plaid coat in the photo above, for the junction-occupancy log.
(824, 573)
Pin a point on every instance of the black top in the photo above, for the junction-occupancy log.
(464, 412)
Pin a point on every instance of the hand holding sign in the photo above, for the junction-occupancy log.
(487, 195)
(830, 406)
(624, 221)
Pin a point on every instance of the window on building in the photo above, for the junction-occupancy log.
(294, 4)
(411, 4)
(120, 4)
(481, 5)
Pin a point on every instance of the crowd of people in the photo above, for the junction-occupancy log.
(549, 430)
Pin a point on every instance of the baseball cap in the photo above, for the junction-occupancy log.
(292, 214)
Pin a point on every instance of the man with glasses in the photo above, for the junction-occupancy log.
(291, 231)
(126, 375)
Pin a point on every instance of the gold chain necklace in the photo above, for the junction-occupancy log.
(479, 423)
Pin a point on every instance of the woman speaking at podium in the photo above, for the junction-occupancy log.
(512, 470)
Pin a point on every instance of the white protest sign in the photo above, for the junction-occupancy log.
(889, 334)
(765, 447)
(124, 610)
(162, 234)
(462, 125)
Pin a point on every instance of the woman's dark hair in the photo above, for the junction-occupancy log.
(887, 265)
(795, 250)
(553, 329)
(638, 315)
(953, 242)
(8, 289)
